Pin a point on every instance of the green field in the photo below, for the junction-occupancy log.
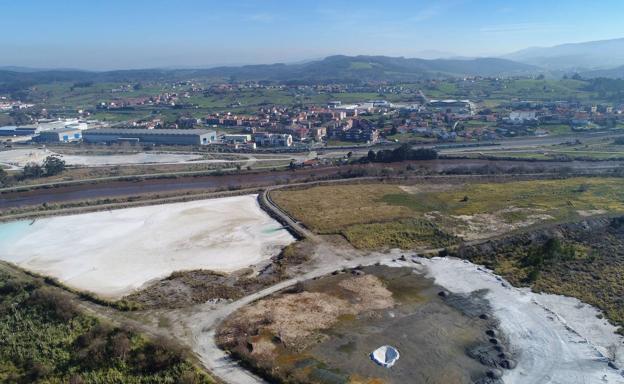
(597, 149)
(494, 92)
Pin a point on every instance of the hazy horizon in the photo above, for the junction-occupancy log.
(194, 34)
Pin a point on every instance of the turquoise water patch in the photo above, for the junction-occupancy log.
(11, 230)
(272, 229)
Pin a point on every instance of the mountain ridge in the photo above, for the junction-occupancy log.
(583, 56)
(337, 68)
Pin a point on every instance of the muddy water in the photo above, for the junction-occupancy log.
(431, 335)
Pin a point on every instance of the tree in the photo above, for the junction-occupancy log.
(32, 171)
(402, 153)
(4, 178)
(381, 122)
(53, 165)
(20, 117)
(371, 156)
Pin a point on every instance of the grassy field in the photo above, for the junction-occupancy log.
(494, 93)
(584, 151)
(378, 215)
(45, 338)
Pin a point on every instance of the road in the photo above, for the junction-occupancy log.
(511, 143)
(283, 217)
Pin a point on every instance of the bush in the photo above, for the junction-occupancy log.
(403, 153)
(158, 355)
(32, 171)
(619, 141)
(5, 180)
(551, 251)
(47, 339)
(53, 165)
(57, 304)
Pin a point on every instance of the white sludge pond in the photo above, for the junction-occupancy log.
(113, 253)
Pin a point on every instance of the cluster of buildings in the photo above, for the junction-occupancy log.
(72, 130)
(165, 99)
(47, 131)
(151, 136)
(306, 124)
(450, 120)
(276, 126)
(536, 117)
(194, 137)
(7, 104)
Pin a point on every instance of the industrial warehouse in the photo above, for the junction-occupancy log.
(154, 136)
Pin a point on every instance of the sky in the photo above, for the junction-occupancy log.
(123, 34)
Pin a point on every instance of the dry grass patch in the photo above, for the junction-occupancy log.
(295, 318)
(382, 215)
(328, 209)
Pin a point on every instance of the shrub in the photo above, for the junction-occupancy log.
(57, 304)
(403, 153)
(5, 180)
(32, 171)
(53, 165)
(551, 251)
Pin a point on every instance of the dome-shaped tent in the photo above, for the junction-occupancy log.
(386, 356)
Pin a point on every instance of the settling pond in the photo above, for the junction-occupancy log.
(113, 253)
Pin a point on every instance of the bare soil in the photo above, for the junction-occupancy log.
(323, 330)
(187, 288)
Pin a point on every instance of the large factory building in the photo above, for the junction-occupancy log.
(152, 136)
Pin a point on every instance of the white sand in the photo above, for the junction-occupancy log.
(558, 339)
(113, 253)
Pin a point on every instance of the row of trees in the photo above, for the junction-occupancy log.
(403, 153)
(52, 165)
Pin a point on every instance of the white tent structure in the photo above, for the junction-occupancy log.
(386, 356)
